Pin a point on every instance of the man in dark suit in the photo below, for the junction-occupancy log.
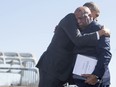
(101, 51)
(95, 14)
(55, 64)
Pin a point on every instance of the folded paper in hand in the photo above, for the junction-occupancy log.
(84, 65)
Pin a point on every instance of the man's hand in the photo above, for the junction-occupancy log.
(91, 79)
(104, 31)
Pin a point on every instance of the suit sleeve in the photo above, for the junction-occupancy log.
(70, 26)
(104, 56)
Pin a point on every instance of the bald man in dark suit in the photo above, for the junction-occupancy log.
(101, 51)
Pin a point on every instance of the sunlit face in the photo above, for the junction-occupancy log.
(83, 19)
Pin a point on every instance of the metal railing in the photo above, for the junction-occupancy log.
(18, 70)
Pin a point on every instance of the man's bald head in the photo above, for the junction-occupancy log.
(82, 10)
(83, 16)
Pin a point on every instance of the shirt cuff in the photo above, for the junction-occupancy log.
(98, 37)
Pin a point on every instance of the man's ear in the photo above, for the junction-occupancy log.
(97, 14)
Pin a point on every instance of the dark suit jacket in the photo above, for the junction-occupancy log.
(57, 59)
(101, 52)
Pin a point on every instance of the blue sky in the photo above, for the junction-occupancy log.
(28, 25)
